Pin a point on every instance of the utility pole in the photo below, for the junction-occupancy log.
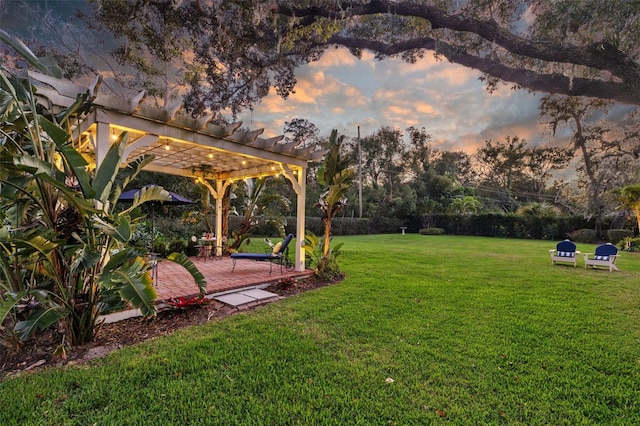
(359, 174)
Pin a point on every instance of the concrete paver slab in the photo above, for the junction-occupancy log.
(258, 294)
(245, 296)
(234, 299)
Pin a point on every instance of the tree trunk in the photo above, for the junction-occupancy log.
(327, 233)
(594, 185)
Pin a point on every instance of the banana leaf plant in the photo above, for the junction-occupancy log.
(64, 252)
(336, 175)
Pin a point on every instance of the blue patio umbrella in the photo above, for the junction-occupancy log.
(176, 200)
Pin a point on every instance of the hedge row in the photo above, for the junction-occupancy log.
(489, 225)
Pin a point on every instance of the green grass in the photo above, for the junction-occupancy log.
(471, 330)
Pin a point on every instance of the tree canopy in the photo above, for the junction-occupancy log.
(574, 47)
(227, 55)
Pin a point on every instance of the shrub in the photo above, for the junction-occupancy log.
(191, 249)
(177, 245)
(431, 231)
(584, 236)
(160, 246)
(618, 235)
(630, 244)
(325, 267)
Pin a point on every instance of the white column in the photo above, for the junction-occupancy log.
(219, 195)
(102, 142)
(302, 182)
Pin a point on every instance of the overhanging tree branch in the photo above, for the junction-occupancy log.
(549, 83)
(621, 70)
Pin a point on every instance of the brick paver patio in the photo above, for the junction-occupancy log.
(174, 281)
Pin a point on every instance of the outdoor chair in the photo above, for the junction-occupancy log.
(605, 256)
(565, 252)
(279, 254)
(153, 259)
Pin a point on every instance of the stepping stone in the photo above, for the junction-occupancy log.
(243, 297)
(234, 299)
(258, 294)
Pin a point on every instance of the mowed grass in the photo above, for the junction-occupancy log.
(424, 330)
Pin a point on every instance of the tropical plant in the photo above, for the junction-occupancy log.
(65, 255)
(259, 207)
(325, 267)
(465, 205)
(536, 209)
(336, 176)
(629, 196)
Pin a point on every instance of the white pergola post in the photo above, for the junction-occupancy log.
(218, 195)
(299, 184)
(102, 142)
(220, 189)
(302, 182)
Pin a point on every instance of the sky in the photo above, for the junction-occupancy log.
(343, 92)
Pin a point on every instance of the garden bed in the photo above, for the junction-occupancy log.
(39, 351)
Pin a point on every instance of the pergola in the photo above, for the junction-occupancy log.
(215, 156)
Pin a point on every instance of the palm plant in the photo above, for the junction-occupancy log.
(64, 253)
(260, 206)
(336, 176)
(536, 209)
(629, 196)
(465, 205)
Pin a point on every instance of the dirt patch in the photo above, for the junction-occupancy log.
(43, 350)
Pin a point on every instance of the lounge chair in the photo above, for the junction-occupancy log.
(565, 252)
(279, 254)
(605, 256)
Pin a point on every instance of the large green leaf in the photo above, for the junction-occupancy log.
(182, 259)
(74, 108)
(134, 283)
(109, 167)
(120, 258)
(123, 229)
(120, 230)
(75, 161)
(7, 302)
(86, 257)
(7, 105)
(75, 198)
(45, 65)
(39, 320)
(37, 166)
(149, 193)
(129, 173)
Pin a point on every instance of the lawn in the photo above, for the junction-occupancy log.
(423, 330)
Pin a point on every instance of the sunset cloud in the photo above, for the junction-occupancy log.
(342, 92)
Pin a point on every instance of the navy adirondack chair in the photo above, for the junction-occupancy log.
(565, 252)
(605, 256)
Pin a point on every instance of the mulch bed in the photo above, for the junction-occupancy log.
(38, 352)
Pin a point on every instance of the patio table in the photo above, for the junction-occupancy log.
(207, 247)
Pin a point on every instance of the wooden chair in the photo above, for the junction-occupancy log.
(564, 252)
(605, 256)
